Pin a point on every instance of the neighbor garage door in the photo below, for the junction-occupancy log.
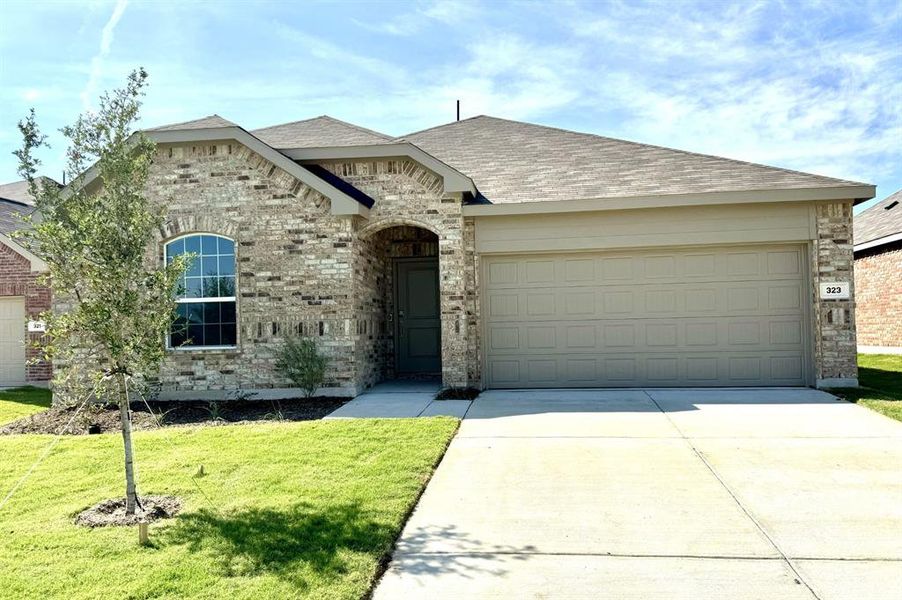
(12, 340)
(726, 316)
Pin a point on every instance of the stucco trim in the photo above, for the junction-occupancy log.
(887, 239)
(37, 263)
(341, 203)
(855, 194)
(454, 180)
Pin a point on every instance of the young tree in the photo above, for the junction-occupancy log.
(96, 238)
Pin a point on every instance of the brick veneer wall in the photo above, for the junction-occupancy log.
(835, 351)
(301, 269)
(878, 296)
(17, 279)
(408, 194)
(293, 263)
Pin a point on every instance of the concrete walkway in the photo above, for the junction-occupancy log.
(401, 399)
(688, 494)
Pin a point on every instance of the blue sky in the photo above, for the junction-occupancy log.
(814, 86)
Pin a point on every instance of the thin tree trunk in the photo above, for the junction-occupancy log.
(131, 494)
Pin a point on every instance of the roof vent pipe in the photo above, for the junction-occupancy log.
(458, 110)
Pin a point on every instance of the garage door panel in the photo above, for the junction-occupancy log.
(671, 268)
(645, 335)
(734, 317)
(647, 302)
(655, 369)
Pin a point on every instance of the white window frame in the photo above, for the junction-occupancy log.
(234, 299)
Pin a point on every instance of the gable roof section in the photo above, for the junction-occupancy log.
(11, 213)
(514, 162)
(452, 179)
(880, 224)
(317, 132)
(17, 191)
(215, 128)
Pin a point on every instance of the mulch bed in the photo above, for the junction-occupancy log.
(111, 513)
(105, 418)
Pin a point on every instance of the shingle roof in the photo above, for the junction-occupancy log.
(11, 214)
(319, 132)
(881, 220)
(520, 162)
(202, 123)
(17, 190)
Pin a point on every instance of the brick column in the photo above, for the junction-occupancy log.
(835, 351)
(452, 288)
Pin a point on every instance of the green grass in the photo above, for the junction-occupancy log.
(880, 377)
(21, 402)
(295, 510)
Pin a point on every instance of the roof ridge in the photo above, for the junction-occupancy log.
(358, 127)
(654, 146)
(189, 121)
(288, 123)
(450, 123)
(332, 119)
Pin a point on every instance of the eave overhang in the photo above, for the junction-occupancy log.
(881, 241)
(855, 194)
(37, 263)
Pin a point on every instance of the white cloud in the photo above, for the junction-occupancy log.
(106, 41)
(416, 17)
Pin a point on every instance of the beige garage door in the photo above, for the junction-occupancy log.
(12, 340)
(730, 316)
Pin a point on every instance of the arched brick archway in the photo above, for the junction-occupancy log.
(399, 298)
(371, 229)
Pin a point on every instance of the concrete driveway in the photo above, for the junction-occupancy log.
(689, 494)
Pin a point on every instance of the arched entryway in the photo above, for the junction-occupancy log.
(401, 296)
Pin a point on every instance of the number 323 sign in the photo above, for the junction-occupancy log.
(835, 290)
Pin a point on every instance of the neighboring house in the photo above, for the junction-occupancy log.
(22, 297)
(497, 254)
(878, 276)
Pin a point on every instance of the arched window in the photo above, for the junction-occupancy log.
(206, 294)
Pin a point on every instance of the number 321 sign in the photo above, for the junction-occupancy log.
(835, 290)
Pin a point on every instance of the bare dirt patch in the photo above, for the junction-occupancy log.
(105, 418)
(111, 513)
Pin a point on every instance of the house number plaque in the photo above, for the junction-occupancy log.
(835, 290)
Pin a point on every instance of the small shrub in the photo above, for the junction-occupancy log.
(215, 410)
(457, 393)
(299, 361)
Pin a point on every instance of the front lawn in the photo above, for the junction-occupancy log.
(880, 377)
(287, 510)
(20, 402)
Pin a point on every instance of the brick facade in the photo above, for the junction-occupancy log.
(835, 351)
(17, 279)
(301, 269)
(878, 296)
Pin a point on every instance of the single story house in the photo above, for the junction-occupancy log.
(22, 296)
(498, 254)
(878, 276)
